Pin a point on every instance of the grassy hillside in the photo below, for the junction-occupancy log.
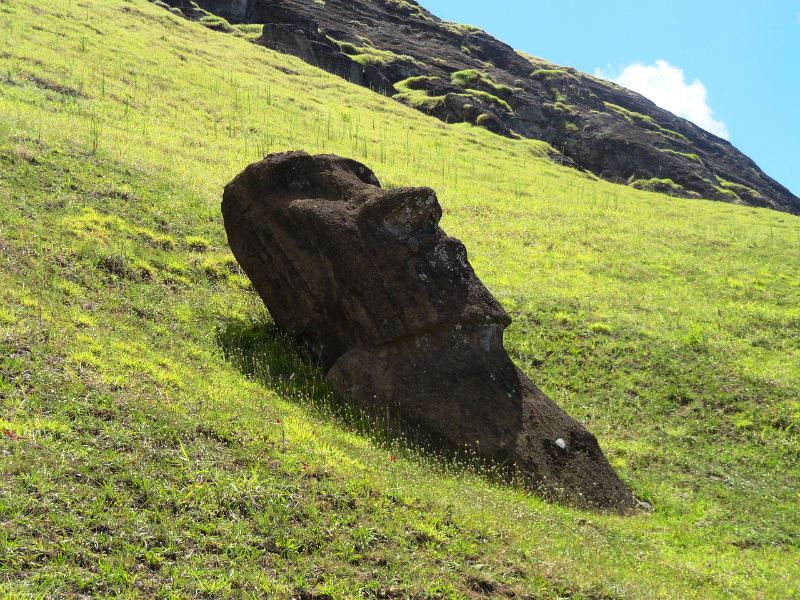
(158, 437)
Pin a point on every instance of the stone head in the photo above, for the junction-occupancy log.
(369, 265)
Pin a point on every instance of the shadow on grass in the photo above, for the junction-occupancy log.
(265, 354)
(268, 356)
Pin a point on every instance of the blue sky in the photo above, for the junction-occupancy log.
(733, 66)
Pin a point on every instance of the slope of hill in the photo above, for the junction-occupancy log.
(158, 438)
(462, 74)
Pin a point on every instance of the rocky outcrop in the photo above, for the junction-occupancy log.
(392, 309)
(461, 74)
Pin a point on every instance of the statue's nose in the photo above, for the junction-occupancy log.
(405, 212)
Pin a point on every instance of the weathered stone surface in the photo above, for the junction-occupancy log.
(390, 306)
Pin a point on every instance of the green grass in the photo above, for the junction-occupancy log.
(689, 155)
(411, 9)
(491, 93)
(548, 74)
(482, 119)
(737, 188)
(630, 115)
(217, 23)
(560, 107)
(472, 80)
(728, 193)
(368, 54)
(249, 31)
(535, 60)
(412, 91)
(647, 120)
(490, 99)
(461, 28)
(655, 183)
(669, 133)
(159, 438)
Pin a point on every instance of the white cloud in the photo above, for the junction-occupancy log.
(666, 85)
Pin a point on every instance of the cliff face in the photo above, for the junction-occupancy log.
(459, 73)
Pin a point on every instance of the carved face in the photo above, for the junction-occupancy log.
(392, 308)
(341, 262)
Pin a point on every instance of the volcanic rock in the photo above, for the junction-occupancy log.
(391, 308)
(459, 73)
